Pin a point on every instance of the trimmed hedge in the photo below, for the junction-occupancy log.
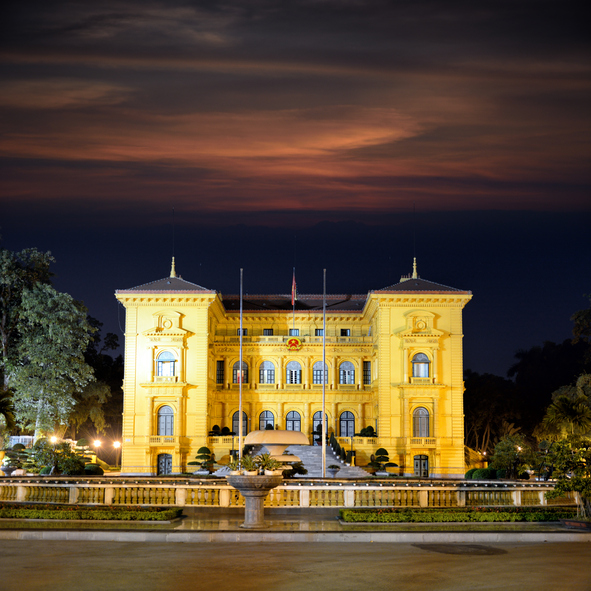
(470, 472)
(459, 514)
(13, 511)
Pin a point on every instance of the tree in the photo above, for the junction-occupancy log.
(53, 334)
(565, 417)
(100, 403)
(582, 329)
(489, 407)
(7, 408)
(539, 372)
(571, 461)
(513, 454)
(19, 271)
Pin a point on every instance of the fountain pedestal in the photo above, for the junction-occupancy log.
(254, 489)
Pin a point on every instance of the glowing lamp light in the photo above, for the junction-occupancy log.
(53, 439)
(97, 443)
(116, 444)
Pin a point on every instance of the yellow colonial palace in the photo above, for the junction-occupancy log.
(393, 362)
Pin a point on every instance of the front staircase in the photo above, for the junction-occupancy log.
(311, 456)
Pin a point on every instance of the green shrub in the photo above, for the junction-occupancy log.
(45, 470)
(470, 473)
(458, 514)
(484, 474)
(93, 470)
(502, 473)
(111, 513)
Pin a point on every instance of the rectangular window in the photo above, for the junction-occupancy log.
(267, 332)
(345, 332)
(347, 376)
(319, 332)
(367, 372)
(317, 376)
(266, 376)
(294, 332)
(244, 332)
(220, 372)
(294, 376)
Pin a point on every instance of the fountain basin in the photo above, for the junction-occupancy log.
(254, 489)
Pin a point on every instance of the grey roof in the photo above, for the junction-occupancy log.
(419, 285)
(305, 302)
(170, 284)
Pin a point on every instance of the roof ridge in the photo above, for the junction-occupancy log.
(169, 281)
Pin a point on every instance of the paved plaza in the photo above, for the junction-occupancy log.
(135, 566)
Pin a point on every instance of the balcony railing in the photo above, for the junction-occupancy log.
(284, 338)
(423, 441)
(166, 379)
(162, 440)
(421, 381)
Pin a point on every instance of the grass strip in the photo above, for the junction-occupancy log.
(103, 513)
(460, 514)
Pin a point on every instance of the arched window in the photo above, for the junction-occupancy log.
(165, 421)
(240, 376)
(317, 373)
(293, 373)
(165, 364)
(420, 422)
(293, 421)
(267, 373)
(317, 421)
(266, 419)
(420, 366)
(346, 373)
(347, 424)
(236, 426)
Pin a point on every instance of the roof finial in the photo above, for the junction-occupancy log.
(172, 271)
(414, 268)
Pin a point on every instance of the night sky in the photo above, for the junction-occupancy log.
(346, 135)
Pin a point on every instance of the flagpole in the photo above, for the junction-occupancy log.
(293, 297)
(240, 378)
(324, 421)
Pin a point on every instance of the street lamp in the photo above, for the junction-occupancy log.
(117, 446)
(97, 444)
(53, 440)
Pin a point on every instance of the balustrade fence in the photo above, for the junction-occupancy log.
(183, 492)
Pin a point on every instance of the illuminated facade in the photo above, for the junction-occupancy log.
(393, 362)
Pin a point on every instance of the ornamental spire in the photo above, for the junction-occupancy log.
(414, 268)
(172, 270)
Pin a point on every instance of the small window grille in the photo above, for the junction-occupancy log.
(367, 372)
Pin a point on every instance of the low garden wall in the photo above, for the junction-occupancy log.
(217, 493)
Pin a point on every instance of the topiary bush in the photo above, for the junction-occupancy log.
(502, 473)
(93, 470)
(470, 473)
(484, 474)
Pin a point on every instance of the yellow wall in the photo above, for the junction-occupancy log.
(196, 328)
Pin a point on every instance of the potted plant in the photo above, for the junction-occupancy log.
(271, 466)
(249, 466)
(234, 466)
(333, 470)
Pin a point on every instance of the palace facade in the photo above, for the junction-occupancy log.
(393, 362)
